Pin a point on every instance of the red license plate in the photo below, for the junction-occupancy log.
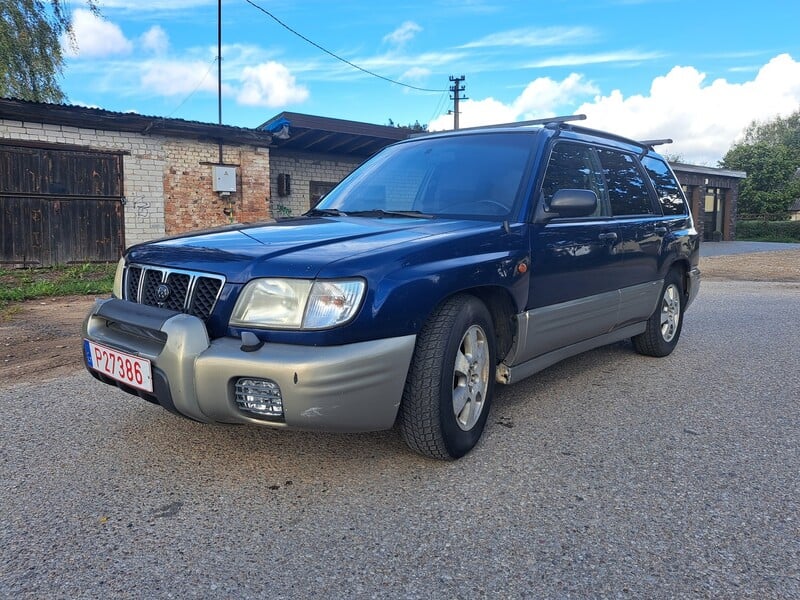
(127, 368)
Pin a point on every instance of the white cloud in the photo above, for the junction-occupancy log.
(95, 37)
(151, 5)
(155, 40)
(270, 84)
(541, 98)
(530, 37)
(574, 60)
(415, 74)
(402, 34)
(173, 77)
(703, 118)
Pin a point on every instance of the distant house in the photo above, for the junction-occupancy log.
(794, 210)
(713, 195)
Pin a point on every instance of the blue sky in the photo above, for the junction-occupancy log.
(694, 71)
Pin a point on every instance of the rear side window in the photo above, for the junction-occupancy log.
(627, 190)
(670, 195)
(573, 167)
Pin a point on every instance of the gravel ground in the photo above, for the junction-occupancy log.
(610, 475)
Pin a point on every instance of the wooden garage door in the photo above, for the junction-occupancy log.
(59, 206)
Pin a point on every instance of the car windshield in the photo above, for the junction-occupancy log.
(467, 176)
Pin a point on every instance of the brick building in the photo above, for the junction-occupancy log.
(80, 184)
(713, 195)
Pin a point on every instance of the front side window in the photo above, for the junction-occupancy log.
(627, 190)
(670, 195)
(573, 167)
(466, 176)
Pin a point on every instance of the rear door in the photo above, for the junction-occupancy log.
(641, 231)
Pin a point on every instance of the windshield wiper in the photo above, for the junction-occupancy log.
(324, 212)
(379, 212)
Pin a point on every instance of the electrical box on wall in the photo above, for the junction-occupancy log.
(224, 178)
(284, 185)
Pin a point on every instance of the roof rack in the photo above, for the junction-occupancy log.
(544, 121)
(652, 143)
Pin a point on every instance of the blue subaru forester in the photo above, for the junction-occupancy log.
(445, 264)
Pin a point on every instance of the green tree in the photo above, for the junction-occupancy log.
(31, 59)
(770, 154)
(416, 126)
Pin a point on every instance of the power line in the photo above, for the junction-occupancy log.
(197, 87)
(336, 56)
(439, 106)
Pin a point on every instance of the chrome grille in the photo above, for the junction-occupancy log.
(187, 291)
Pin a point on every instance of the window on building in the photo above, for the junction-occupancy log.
(318, 189)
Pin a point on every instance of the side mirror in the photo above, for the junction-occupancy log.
(567, 204)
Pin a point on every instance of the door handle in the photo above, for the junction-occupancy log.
(610, 236)
(661, 230)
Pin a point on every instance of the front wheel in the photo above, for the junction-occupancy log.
(451, 380)
(665, 324)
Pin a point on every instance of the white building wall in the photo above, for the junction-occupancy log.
(303, 168)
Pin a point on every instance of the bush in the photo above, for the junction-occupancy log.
(768, 231)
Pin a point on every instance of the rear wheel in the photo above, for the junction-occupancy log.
(451, 380)
(665, 324)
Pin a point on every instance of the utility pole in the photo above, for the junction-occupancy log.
(219, 70)
(456, 88)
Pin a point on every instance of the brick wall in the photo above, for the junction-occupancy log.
(303, 169)
(166, 182)
(191, 203)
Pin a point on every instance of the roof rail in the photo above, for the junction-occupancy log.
(544, 121)
(652, 143)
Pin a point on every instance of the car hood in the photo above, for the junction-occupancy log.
(299, 247)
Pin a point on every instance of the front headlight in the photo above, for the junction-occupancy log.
(116, 291)
(297, 303)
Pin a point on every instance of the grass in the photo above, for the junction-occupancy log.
(17, 285)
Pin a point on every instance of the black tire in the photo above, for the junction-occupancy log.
(461, 328)
(665, 324)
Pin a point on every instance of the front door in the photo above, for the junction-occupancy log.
(575, 263)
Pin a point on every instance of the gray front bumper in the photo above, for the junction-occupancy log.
(353, 387)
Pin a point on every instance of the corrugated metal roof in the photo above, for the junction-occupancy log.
(96, 118)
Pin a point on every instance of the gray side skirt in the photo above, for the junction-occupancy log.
(549, 334)
(508, 375)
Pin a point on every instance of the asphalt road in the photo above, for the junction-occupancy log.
(610, 475)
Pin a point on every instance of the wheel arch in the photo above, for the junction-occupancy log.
(503, 311)
(682, 266)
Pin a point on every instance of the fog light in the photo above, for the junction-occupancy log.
(259, 396)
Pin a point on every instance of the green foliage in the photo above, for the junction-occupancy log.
(768, 231)
(31, 59)
(770, 154)
(17, 285)
(416, 126)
